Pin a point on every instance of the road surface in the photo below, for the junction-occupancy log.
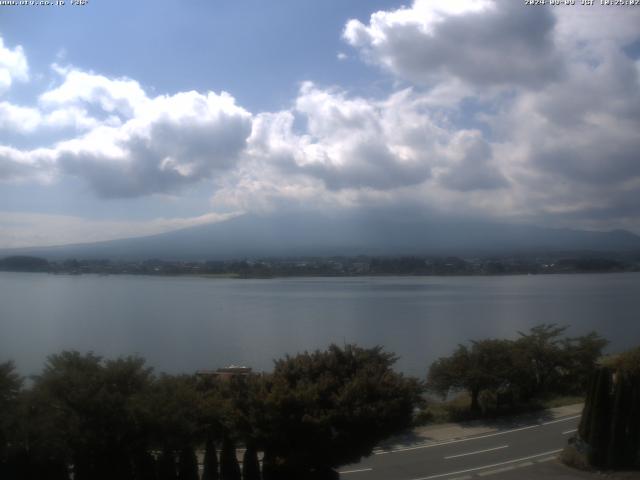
(478, 455)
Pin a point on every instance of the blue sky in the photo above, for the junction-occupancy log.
(258, 50)
(123, 118)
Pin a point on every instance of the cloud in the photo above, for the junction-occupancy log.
(138, 145)
(472, 168)
(174, 141)
(19, 166)
(348, 142)
(13, 66)
(36, 230)
(17, 118)
(571, 146)
(24, 120)
(511, 113)
(121, 96)
(482, 42)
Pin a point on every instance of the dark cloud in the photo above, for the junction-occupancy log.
(474, 170)
(370, 165)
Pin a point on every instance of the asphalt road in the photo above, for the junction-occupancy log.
(469, 456)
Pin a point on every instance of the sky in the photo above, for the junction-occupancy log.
(122, 119)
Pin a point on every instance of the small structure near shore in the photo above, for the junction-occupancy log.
(226, 373)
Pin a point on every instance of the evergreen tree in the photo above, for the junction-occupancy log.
(167, 466)
(187, 464)
(210, 461)
(268, 466)
(598, 438)
(145, 467)
(250, 464)
(229, 467)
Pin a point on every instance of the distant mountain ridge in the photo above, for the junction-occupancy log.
(254, 236)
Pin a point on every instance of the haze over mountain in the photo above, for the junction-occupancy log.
(312, 234)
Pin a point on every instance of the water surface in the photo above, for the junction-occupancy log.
(181, 324)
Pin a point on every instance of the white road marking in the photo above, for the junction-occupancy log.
(561, 420)
(468, 439)
(474, 453)
(548, 459)
(489, 466)
(570, 431)
(497, 470)
(355, 471)
(449, 442)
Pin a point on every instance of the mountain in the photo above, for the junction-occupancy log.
(315, 235)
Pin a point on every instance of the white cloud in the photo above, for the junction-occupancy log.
(120, 96)
(19, 166)
(17, 118)
(36, 230)
(156, 145)
(514, 113)
(13, 66)
(173, 141)
(23, 120)
(483, 42)
(349, 142)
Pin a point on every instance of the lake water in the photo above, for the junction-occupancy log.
(181, 324)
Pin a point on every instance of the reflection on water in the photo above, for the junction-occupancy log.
(183, 324)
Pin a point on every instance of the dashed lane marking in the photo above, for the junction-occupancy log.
(561, 420)
(355, 471)
(484, 467)
(476, 452)
(468, 439)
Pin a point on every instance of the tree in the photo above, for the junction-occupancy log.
(210, 471)
(540, 355)
(187, 464)
(94, 409)
(173, 410)
(485, 365)
(10, 387)
(167, 469)
(229, 468)
(610, 423)
(250, 464)
(329, 408)
(581, 355)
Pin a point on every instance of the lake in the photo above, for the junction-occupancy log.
(181, 324)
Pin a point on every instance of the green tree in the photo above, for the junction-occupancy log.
(229, 467)
(94, 405)
(329, 408)
(187, 464)
(581, 355)
(167, 468)
(210, 471)
(250, 464)
(10, 388)
(610, 422)
(540, 359)
(485, 365)
(172, 408)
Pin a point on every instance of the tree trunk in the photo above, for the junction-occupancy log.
(475, 404)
